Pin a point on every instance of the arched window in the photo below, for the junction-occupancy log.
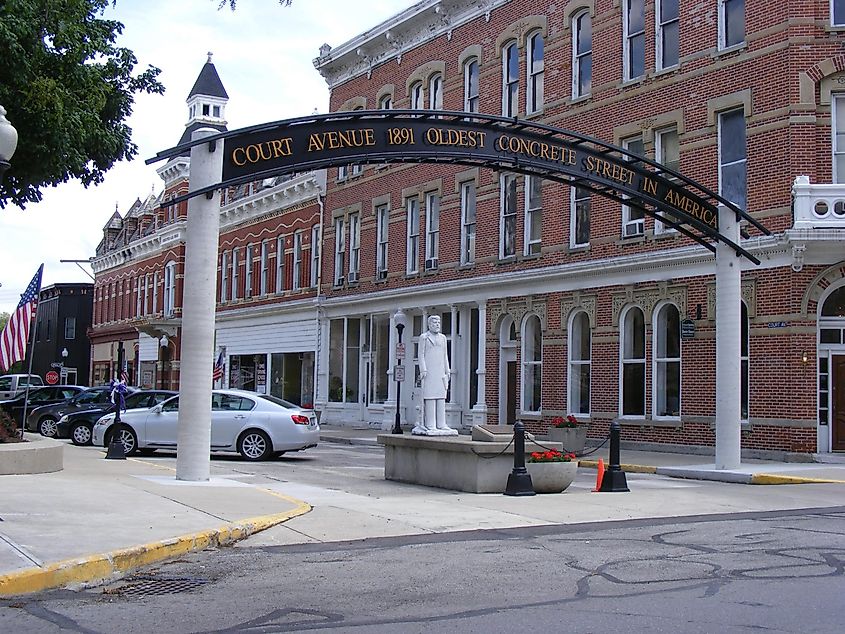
(532, 364)
(667, 362)
(744, 350)
(385, 103)
(471, 85)
(582, 54)
(435, 92)
(579, 363)
(834, 305)
(510, 79)
(416, 95)
(170, 289)
(633, 363)
(536, 65)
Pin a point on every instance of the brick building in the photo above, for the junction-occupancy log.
(64, 316)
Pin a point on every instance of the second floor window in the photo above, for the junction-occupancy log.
(582, 53)
(315, 255)
(432, 231)
(236, 274)
(510, 80)
(667, 152)
(634, 42)
(224, 276)
(70, 328)
(580, 217)
(412, 209)
(733, 157)
(536, 66)
(297, 260)
(417, 96)
(435, 92)
(633, 218)
(533, 215)
(170, 289)
(339, 250)
(471, 103)
(838, 132)
(382, 235)
(265, 268)
(507, 222)
(385, 103)
(280, 264)
(354, 246)
(731, 22)
(248, 264)
(667, 33)
(468, 222)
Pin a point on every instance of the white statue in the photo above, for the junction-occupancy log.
(435, 375)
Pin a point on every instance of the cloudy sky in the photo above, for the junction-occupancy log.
(264, 55)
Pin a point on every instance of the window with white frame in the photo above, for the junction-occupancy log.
(743, 360)
(633, 24)
(224, 276)
(633, 363)
(471, 101)
(533, 215)
(579, 213)
(342, 172)
(507, 221)
(432, 230)
(382, 239)
(249, 262)
(70, 328)
(265, 268)
(386, 102)
(236, 273)
(532, 364)
(315, 255)
(536, 66)
(344, 359)
(667, 152)
(170, 289)
(354, 246)
(147, 294)
(731, 23)
(837, 12)
(580, 362)
(280, 264)
(582, 54)
(297, 260)
(667, 33)
(667, 362)
(137, 296)
(155, 292)
(435, 92)
(417, 96)
(412, 245)
(468, 222)
(339, 250)
(733, 157)
(510, 79)
(838, 103)
(633, 218)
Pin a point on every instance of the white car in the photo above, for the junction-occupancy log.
(257, 426)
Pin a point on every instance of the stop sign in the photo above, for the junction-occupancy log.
(52, 377)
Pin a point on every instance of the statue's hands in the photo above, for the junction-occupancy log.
(423, 374)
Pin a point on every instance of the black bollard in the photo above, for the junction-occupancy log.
(614, 480)
(115, 450)
(519, 480)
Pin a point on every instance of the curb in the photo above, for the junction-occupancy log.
(345, 440)
(108, 566)
(627, 468)
(770, 478)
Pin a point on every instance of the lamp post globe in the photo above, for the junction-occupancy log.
(8, 141)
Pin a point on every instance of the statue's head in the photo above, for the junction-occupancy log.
(434, 323)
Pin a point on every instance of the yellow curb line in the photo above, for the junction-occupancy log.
(628, 468)
(768, 478)
(99, 568)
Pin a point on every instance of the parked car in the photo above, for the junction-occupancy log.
(13, 384)
(44, 419)
(78, 426)
(257, 426)
(38, 397)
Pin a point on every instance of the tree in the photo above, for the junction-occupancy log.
(68, 90)
(233, 3)
(4, 319)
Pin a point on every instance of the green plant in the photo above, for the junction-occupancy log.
(552, 455)
(568, 422)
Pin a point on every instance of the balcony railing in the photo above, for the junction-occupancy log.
(818, 206)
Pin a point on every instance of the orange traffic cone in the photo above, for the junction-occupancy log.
(599, 475)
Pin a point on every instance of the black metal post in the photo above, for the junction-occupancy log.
(519, 480)
(614, 480)
(397, 427)
(120, 354)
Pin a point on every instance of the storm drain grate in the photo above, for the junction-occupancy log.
(156, 586)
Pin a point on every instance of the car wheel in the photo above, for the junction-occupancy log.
(47, 427)
(255, 445)
(80, 434)
(126, 436)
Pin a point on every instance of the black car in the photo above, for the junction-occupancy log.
(44, 419)
(38, 397)
(78, 425)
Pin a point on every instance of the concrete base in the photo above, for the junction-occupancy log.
(451, 462)
(37, 455)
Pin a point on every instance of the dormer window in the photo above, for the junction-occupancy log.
(216, 111)
(205, 109)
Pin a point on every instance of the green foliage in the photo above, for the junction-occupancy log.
(232, 3)
(4, 319)
(68, 90)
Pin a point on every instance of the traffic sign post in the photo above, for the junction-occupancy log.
(52, 377)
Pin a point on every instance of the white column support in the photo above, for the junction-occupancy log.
(453, 362)
(480, 409)
(728, 334)
(199, 294)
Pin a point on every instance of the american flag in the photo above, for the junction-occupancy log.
(124, 373)
(218, 368)
(16, 333)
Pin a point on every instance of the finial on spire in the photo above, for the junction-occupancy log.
(209, 57)
(115, 207)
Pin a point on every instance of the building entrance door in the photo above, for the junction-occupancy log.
(838, 402)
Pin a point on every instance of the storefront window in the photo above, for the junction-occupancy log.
(248, 372)
(292, 377)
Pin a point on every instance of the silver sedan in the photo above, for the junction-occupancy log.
(257, 426)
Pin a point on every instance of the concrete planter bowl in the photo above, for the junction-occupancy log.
(37, 455)
(551, 477)
(573, 439)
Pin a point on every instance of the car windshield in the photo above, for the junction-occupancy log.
(279, 401)
(91, 397)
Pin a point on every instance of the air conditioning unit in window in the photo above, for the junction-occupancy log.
(635, 228)
(353, 277)
(431, 264)
(381, 275)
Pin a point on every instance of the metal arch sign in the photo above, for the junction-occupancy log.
(393, 136)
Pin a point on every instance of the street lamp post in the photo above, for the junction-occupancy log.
(8, 141)
(63, 378)
(399, 371)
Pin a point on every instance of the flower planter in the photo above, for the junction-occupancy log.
(573, 438)
(551, 477)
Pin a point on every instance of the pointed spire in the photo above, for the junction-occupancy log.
(208, 83)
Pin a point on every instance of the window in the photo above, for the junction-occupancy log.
(236, 274)
(297, 260)
(382, 236)
(468, 222)
(248, 264)
(668, 153)
(533, 215)
(579, 363)
(731, 22)
(510, 80)
(535, 73)
(532, 364)
(170, 289)
(280, 264)
(385, 103)
(70, 328)
(432, 231)
(837, 12)
(507, 223)
(412, 207)
(582, 53)
(416, 96)
(339, 250)
(579, 229)
(342, 172)
(205, 110)
(839, 138)
(733, 157)
(633, 363)
(633, 219)
(667, 33)
(215, 110)
(379, 357)
(265, 268)
(147, 294)
(471, 103)
(155, 291)
(633, 43)
(344, 357)
(315, 255)
(667, 362)
(137, 297)
(354, 246)
(435, 92)
(744, 357)
(224, 276)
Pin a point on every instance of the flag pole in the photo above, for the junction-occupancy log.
(31, 352)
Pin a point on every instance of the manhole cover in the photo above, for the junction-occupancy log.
(157, 586)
